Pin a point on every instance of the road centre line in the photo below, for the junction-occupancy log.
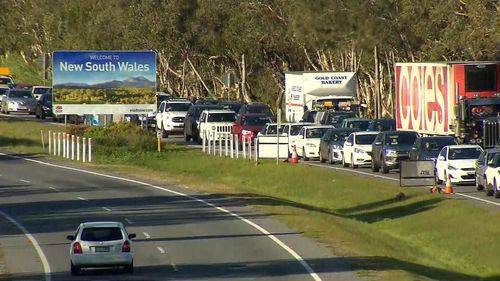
(290, 251)
(38, 249)
(480, 199)
(53, 188)
(107, 209)
(128, 221)
(26, 181)
(146, 235)
(161, 250)
(83, 199)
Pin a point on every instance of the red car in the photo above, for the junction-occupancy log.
(247, 126)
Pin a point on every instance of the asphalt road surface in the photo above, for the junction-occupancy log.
(180, 235)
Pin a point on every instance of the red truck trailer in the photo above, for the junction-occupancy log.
(450, 98)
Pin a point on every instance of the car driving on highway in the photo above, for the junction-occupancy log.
(332, 143)
(19, 101)
(357, 148)
(458, 162)
(390, 148)
(101, 244)
(307, 143)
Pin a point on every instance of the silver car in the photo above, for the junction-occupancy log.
(19, 101)
(101, 244)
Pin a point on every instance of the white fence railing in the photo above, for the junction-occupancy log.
(68, 146)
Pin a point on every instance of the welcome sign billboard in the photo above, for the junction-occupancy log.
(104, 82)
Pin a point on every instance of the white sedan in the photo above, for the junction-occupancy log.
(457, 162)
(357, 149)
(308, 140)
(101, 244)
(492, 177)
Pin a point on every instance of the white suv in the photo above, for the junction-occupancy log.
(170, 116)
(218, 121)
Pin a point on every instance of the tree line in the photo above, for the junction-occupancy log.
(200, 42)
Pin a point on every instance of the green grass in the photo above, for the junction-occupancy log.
(382, 234)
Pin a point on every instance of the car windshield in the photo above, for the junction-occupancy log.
(339, 136)
(41, 91)
(257, 120)
(271, 129)
(464, 153)
(101, 234)
(221, 117)
(437, 144)
(496, 160)
(294, 129)
(4, 80)
(362, 125)
(258, 109)
(382, 125)
(3, 91)
(20, 94)
(314, 133)
(178, 106)
(365, 139)
(401, 139)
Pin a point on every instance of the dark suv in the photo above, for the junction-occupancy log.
(390, 147)
(428, 148)
(256, 108)
(192, 117)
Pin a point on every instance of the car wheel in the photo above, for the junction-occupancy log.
(330, 157)
(344, 164)
(129, 268)
(384, 169)
(75, 270)
(321, 159)
(352, 163)
(479, 187)
(488, 188)
(304, 154)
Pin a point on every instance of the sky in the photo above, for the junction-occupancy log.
(60, 75)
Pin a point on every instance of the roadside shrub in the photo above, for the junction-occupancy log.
(124, 137)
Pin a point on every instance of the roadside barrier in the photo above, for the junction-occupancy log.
(295, 157)
(67, 146)
(226, 144)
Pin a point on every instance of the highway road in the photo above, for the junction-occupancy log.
(181, 235)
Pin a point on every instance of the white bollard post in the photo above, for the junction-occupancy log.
(43, 140)
(226, 136)
(209, 139)
(219, 137)
(78, 148)
(55, 143)
(250, 149)
(64, 145)
(203, 143)
(50, 142)
(67, 145)
(244, 145)
(256, 148)
(237, 147)
(90, 149)
(84, 150)
(58, 144)
(231, 144)
(72, 147)
(214, 142)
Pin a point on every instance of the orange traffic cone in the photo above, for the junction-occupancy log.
(448, 189)
(295, 157)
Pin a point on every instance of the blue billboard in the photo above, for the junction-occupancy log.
(104, 82)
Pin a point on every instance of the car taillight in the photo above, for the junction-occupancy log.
(77, 248)
(126, 247)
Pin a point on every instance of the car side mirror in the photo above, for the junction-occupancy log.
(132, 236)
(441, 158)
(70, 237)
(413, 148)
(377, 143)
(348, 143)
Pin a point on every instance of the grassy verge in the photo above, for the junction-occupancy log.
(383, 235)
(21, 71)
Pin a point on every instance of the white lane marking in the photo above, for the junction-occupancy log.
(83, 199)
(38, 249)
(26, 181)
(146, 235)
(53, 188)
(477, 198)
(128, 221)
(161, 250)
(174, 267)
(106, 209)
(294, 254)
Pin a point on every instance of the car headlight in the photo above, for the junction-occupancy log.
(246, 132)
(310, 145)
(13, 102)
(452, 168)
(359, 150)
(46, 108)
(478, 141)
(391, 153)
(473, 141)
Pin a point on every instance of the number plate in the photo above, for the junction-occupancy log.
(101, 249)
